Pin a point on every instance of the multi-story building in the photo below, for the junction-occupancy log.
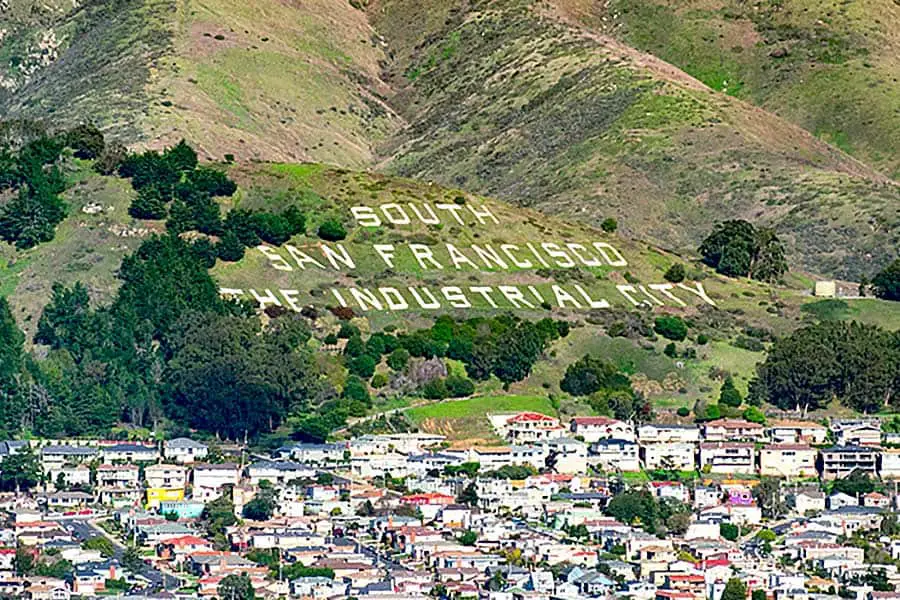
(184, 450)
(788, 460)
(679, 456)
(118, 476)
(728, 457)
(529, 427)
(889, 465)
(615, 455)
(210, 479)
(840, 461)
(651, 433)
(593, 429)
(796, 432)
(732, 430)
(165, 476)
(129, 453)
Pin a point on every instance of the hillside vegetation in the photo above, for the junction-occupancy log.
(531, 102)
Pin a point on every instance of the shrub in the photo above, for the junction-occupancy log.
(729, 395)
(332, 231)
(330, 340)
(436, 389)
(702, 339)
(86, 141)
(675, 273)
(355, 389)
(398, 359)
(379, 380)
(230, 248)
(459, 387)
(729, 532)
(272, 228)
(671, 328)
(362, 366)
(670, 350)
(683, 411)
(886, 283)
(754, 415)
(609, 225)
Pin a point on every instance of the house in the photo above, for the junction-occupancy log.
(70, 475)
(876, 500)
(210, 479)
(129, 453)
(678, 456)
(860, 432)
(729, 430)
(53, 457)
(706, 496)
(118, 476)
(429, 504)
(184, 450)
(614, 454)
(66, 500)
(88, 579)
(889, 465)
(671, 489)
(839, 500)
(809, 501)
(728, 457)
(314, 453)
(788, 460)
(531, 427)
(178, 548)
(319, 588)
(593, 429)
(796, 432)
(653, 433)
(118, 497)
(840, 461)
(566, 455)
(165, 476)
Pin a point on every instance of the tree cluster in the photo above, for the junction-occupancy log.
(738, 249)
(855, 363)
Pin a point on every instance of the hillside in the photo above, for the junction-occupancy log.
(526, 101)
(505, 99)
(828, 66)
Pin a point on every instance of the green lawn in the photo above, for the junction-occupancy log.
(467, 419)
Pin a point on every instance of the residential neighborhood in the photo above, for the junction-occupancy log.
(591, 508)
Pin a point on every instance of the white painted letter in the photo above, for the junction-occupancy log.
(485, 212)
(458, 258)
(423, 253)
(269, 298)
(699, 292)
(515, 296)
(602, 247)
(562, 296)
(456, 297)
(365, 216)
(365, 298)
(277, 261)
(334, 258)
(485, 291)
(301, 257)
(393, 298)
(401, 219)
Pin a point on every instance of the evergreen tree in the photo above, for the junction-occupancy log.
(150, 203)
(729, 395)
(886, 283)
(230, 248)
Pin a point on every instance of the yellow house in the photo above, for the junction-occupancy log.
(157, 495)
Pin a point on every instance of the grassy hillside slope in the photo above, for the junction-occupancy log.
(267, 80)
(502, 98)
(830, 66)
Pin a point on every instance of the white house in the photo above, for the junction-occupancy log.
(615, 455)
(593, 429)
(184, 450)
(566, 455)
(680, 456)
(653, 433)
(210, 479)
(129, 453)
(724, 457)
(165, 476)
(788, 460)
(279, 472)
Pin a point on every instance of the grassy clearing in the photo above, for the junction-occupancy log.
(466, 420)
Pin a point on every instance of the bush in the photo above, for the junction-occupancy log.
(398, 359)
(683, 411)
(754, 415)
(330, 340)
(379, 380)
(355, 389)
(670, 350)
(86, 141)
(362, 366)
(675, 273)
(886, 283)
(729, 395)
(609, 225)
(702, 339)
(332, 231)
(729, 532)
(436, 389)
(592, 374)
(272, 228)
(230, 248)
(459, 387)
(671, 328)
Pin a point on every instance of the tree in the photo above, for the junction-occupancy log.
(217, 515)
(236, 587)
(150, 203)
(675, 273)
(459, 387)
(754, 415)
(435, 389)
(469, 495)
(671, 328)
(398, 359)
(100, 543)
(181, 157)
(768, 496)
(86, 141)
(737, 249)
(362, 366)
(886, 284)
(735, 589)
(468, 538)
(591, 374)
(729, 395)
(729, 532)
(20, 472)
(272, 228)
(857, 483)
(332, 231)
(261, 507)
(811, 366)
(609, 225)
(758, 595)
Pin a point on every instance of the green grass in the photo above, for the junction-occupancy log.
(467, 419)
